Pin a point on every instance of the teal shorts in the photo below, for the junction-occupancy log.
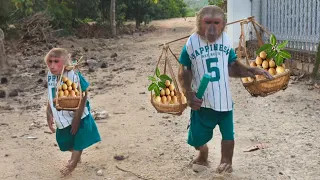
(202, 123)
(86, 136)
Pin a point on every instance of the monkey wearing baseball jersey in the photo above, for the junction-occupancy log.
(208, 51)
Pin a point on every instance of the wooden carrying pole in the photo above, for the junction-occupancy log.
(241, 20)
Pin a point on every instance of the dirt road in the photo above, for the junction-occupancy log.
(154, 145)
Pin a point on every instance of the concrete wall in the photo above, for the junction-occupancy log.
(237, 9)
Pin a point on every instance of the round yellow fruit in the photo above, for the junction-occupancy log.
(60, 93)
(272, 71)
(60, 88)
(250, 79)
(164, 99)
(245, 79)
(64, 79)
(184, 99)
(265, 64)
(72, 93)
(69, 83)
(66, 92)
(174, 99)
(172, 93)
(157, 99)
(167, 91)
(167, 83)
(171, 87)
(162, 92)
(253, 64)
(64, 87)
(169, 98)
(272, 64)
(279, 69)
(77, 93)
(74, 86)
(69, 88)
(258, 60)
(263, 55)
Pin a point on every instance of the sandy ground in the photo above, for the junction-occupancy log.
(154, 144)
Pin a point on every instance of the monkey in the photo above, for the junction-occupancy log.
(208, 51)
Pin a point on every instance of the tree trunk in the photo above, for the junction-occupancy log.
(113, 18)
(316, 65)
(3, 57)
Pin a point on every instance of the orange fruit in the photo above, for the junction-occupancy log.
(64, 87)
(64, 79)
(74, 86)
(171, 87)
(162, 92)
(263, 55)
(272, 64)
(60, 93)
(66, 92)
(265, 64)
(168, 98)
(164, 99)
(158, 99)
(279, 69)
(272, 71)
(69, 83)
(69, 88)
(172, 93)
(253, 64)
(258, 60)
(167, 91)
(167, 83)
(72, 93)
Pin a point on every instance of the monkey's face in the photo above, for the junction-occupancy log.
(212, 27)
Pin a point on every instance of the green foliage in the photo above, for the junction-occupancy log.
(275, 50)
(60, 13)
(158, 81)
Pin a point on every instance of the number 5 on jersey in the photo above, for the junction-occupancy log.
(213, 69)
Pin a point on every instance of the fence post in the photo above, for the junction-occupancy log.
(316, 65)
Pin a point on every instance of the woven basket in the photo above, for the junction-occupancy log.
(68, 103)
(266, 87)
(175, 109)
(262, 87)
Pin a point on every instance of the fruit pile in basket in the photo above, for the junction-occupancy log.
(164, 90)
(270, 57)
(68, 88)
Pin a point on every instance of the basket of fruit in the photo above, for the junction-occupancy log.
(166, 96)
(69, 94)
(269, 57)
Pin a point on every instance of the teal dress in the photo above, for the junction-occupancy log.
(87, 134)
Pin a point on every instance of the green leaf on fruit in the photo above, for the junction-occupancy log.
(285, 54)
(152, 86)
(265, 47)
(271, 55)
(151, 78)
(162, 85)
(157, 90)
(165, 77)
(157, 72)
(283, 44)
(273, 40)
(278, 59)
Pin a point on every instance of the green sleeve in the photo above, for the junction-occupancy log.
(84, 84)
(232, 56)
(184, 57)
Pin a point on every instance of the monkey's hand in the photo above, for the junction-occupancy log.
(193, 101)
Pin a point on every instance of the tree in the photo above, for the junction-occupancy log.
(3, 60)
(221, 3)
(113, 18)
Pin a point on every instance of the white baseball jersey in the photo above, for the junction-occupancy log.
(62, 118)
(213, 59)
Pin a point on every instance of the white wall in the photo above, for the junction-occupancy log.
(237, 9)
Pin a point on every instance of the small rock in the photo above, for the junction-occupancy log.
(119, 157)
(2, 94)
(40, 81)
(101, 115)
(4, 124)
(293, 156)
(161, 154)
(13, 93)
(4, 80)
(14, 136)
(104, 65)
(281, 173)
(55, 144)
(31, 137)
(142, 108)
(100, 172)
(91, 69)
(6, 155)
(142, 93)
(114, 55)
(42, 72)
(45, 85)
(165, 117)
